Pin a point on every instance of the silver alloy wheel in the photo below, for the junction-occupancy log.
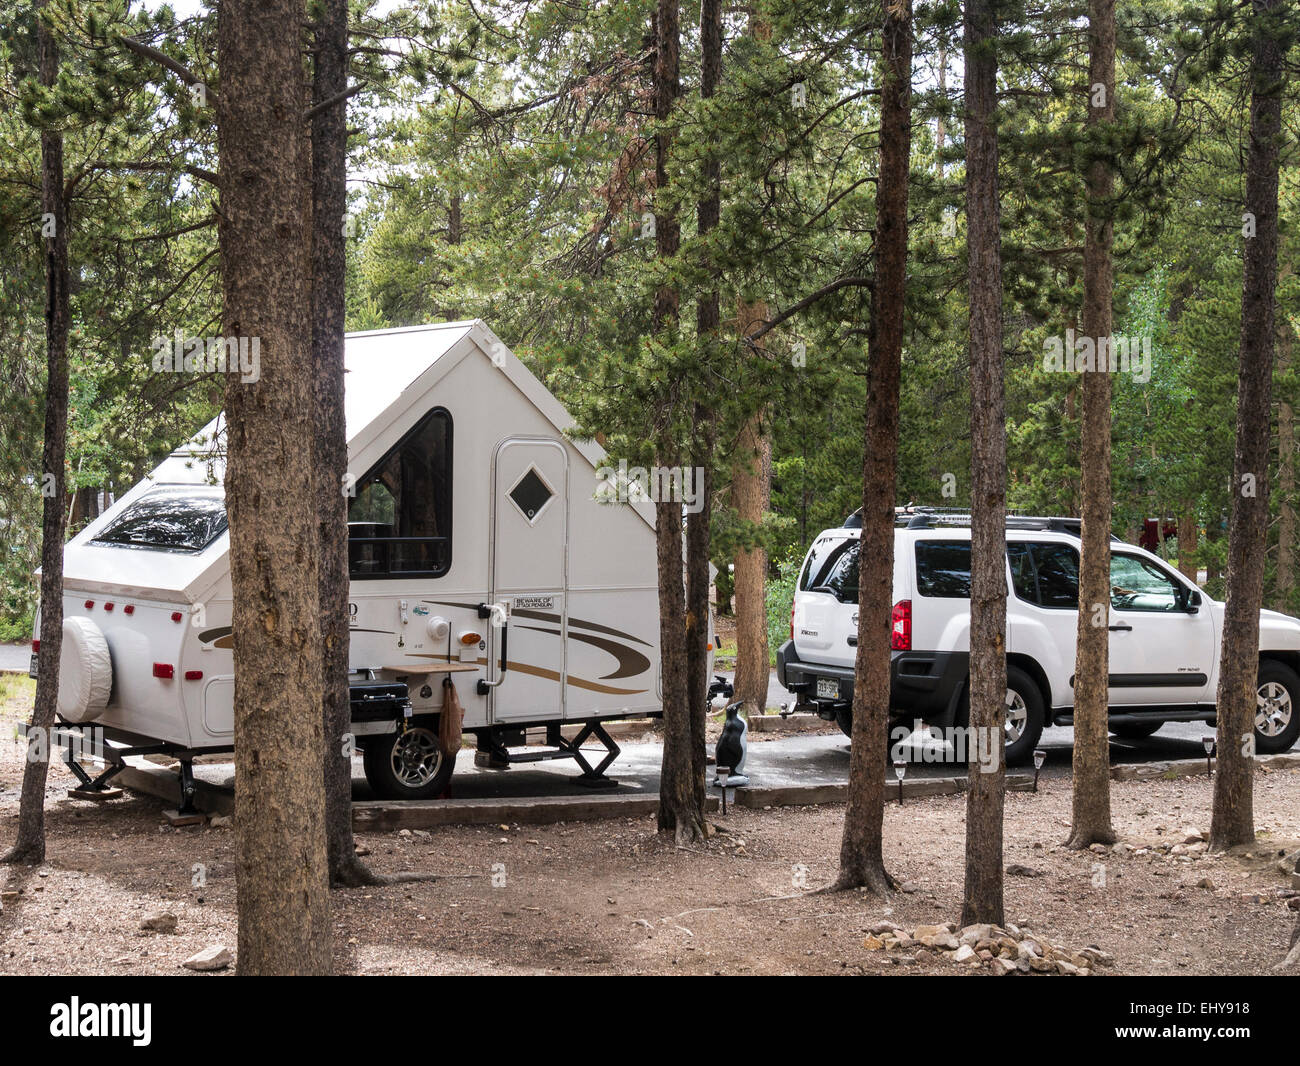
(1017, 716)
(1272, 708)
(416, 758)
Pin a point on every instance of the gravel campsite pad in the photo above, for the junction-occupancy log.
(607, 897)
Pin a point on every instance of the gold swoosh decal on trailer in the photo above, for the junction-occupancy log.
(631, 662)
(221, 637)
(547, 616)
(543, 672)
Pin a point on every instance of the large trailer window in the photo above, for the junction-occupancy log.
(399, 522)
(183, 518)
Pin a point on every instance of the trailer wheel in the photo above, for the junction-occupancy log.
(408, 765)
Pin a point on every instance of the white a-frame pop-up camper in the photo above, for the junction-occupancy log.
(479, 549)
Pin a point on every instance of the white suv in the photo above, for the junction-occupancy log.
(1164, 635)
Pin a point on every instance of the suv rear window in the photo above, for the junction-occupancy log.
(1045, 574)
(178, 519)
(943, 568)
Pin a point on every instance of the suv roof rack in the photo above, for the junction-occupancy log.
(924, 517)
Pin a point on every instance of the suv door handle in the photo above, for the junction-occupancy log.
(1123, 627)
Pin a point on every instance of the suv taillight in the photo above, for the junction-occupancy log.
(792, 619)
(900, 621)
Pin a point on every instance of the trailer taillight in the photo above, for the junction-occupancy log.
(900, 620)
(129, 609)
(193, 675)
(109, 606)
(164, 670)
(177, 616)
(89, 604)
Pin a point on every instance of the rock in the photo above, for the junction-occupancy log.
(1042, 965)
(1096, 956)
(944, 942)
(1023, 965)
(360, 850)
(162, 922)
(1179, 849)
(211, 958)
(1002, 967)
(873, 943)
(1098, 849)
(1066, 968)
(973, 934)
(881, 928)
(910, 887)
(1027, 949)
(902, 941)
(965, 953)
(220, 821)
(1018, 870)
(1205, 882)
(1289, 864)
(922, 931)
(1192, 836)
(1123, 849)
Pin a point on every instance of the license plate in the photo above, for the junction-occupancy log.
(828, 688)
(31, 670)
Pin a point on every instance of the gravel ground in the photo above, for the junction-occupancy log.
(611, 897)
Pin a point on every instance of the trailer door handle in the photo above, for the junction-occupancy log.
(1123, 627)
(500, 616)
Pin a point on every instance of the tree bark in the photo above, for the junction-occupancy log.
(982, 900)
(281, 864)
(1286, 477)
(681, 797)
(707, 322)
(1187, 537)
(751, 484)
(29, 846)
(329, 267)
(861, 849)
(1091, 822)
(1233, 820)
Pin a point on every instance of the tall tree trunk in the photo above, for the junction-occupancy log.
(982, 901)
(29, 846)
(1286, 477)
(861, 850)
(329, 267)
(1091, 797)
(1233, 820)
(1187, 536)
(681, 797)
(280, 853)
(751, 486)
(707, 321)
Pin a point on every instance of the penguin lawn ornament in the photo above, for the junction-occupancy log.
(732, 746)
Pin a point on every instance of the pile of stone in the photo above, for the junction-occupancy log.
(1000, 950)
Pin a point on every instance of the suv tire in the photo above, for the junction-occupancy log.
(1277, 719)
(1024, 696)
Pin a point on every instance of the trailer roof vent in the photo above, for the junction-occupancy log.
(531, 494)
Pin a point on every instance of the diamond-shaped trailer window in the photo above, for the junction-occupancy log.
(531, 494)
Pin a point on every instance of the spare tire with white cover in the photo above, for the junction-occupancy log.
(85, 671)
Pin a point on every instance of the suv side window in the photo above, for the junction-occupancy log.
(943, 568)
(1136, 585)
(1046, 574)
(843, 577)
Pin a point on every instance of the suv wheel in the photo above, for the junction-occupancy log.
(1277, 710)
(1025, 716)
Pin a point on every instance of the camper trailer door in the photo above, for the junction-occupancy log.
(529, 569)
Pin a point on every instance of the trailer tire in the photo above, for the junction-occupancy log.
(85, 671)
(409, 764)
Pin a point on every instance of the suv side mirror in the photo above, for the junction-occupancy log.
(1192, 601)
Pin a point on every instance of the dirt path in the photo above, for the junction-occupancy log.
(611, 897)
